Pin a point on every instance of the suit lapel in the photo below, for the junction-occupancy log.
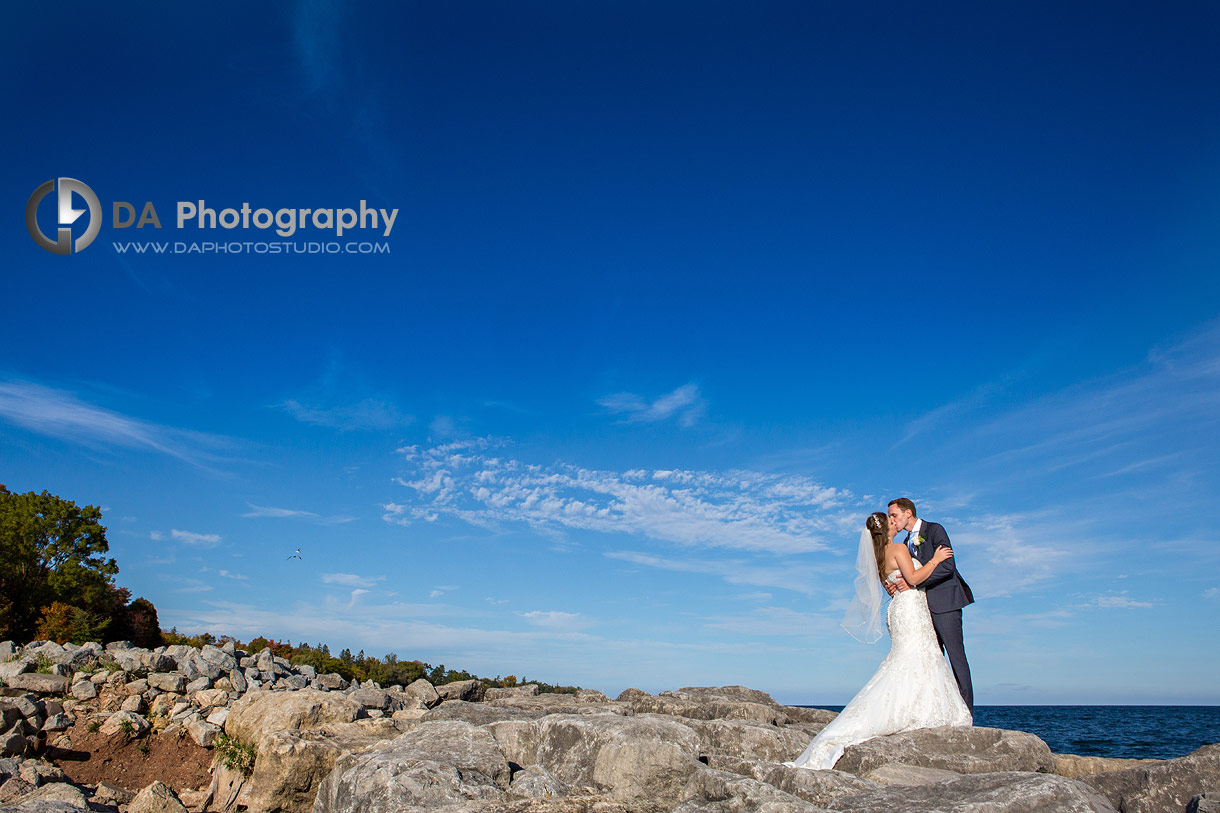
(921, 554)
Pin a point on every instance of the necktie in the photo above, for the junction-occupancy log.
(907, 542)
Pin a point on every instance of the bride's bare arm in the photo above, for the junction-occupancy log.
(913, 577)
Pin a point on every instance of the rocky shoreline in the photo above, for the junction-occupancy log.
(320, 744)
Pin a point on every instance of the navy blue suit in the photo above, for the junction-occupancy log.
(947, 594)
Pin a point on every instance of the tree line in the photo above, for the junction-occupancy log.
(56, 584)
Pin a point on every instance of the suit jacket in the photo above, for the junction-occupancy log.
(945, 588)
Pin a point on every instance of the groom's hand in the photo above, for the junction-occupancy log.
(894, 588)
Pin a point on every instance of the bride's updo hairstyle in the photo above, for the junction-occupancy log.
(878, 524)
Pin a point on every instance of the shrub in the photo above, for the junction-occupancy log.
(233, 753)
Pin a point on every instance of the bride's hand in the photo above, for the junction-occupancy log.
(942, 553)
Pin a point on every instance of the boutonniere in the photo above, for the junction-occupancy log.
(919, 540)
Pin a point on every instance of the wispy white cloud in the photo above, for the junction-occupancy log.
(1120, 601)
(370, 414)
(1212, 592)
(61, 414)
(800, 577)
(290, 513)
(1124, 423)
(351, 579)
(556, 620)
(743, 510)
(685, 404)
(156, 536)
(191, 538)
(229, 575)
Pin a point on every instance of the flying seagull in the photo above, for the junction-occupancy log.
(296, 555)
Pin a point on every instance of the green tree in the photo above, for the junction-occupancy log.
(52, 550)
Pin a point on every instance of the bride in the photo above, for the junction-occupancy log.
(914, 686)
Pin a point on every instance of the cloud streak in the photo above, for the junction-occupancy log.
(371, 414)
(289, 513)
(351, 579)
(62, 415)
(198, 540)
(737, 510)
(684, 404)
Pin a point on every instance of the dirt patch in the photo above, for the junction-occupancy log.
(94, 757)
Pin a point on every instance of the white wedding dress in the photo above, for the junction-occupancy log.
(913, 688)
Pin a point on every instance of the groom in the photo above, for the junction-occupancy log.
(947, 592)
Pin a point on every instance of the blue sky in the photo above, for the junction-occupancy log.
(676, 294)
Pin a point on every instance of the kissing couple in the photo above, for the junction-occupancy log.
(913, 687)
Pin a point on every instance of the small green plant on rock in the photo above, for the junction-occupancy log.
(93, 726)
(127, 728)
(43, 665)
(233, 753)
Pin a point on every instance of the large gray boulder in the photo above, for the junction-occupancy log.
(470, 690)
(1074, 767)
(259, 713)
(55, 792)
(898, 774)
(962, 749)
(643, 762)
(1006, 792)
(10, 669)
(711, 791)
(713, 703)
(42, 806)
(1168, 786)
(125, 724)
(156, 798)
(1204, 803)
(49, 650)
(218, 657)
(38, 683)
(749, 740)
(168, 682)
(84, 690)
(478, 713)
(816, 787)
(555, 703)
(536, 782)
(291, 764)
(528, 690)
(158, 662)
(373, 699)
(439, 763)
(132, 661)
(424, 692)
